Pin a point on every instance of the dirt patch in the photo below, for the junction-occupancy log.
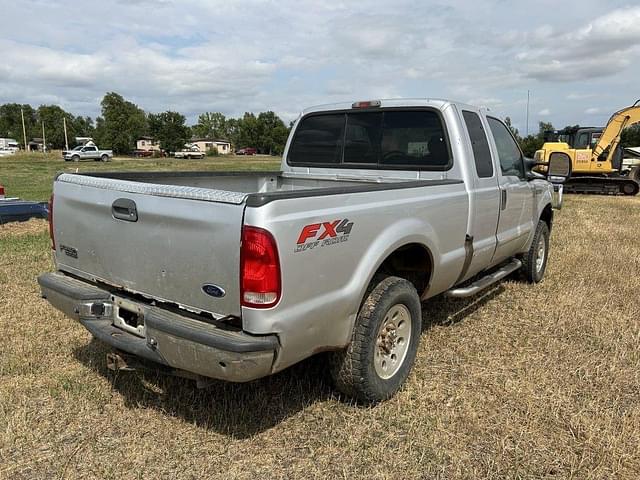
(16, 229)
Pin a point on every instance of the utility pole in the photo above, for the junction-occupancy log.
(527, 114)
(66, 140)
(24, 131)
(44, 140)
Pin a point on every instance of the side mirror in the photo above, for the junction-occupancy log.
(529, 166)
(559, 168)
(558, 171)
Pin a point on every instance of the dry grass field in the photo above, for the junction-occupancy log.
(524, 382)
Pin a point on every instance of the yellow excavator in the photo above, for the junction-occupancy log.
(596, 155)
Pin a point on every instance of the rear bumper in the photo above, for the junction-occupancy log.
(169, 338)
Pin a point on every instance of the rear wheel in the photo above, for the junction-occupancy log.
(629, 188)
(75, 158)
(383, 345)
(104, 158)
(534, 262)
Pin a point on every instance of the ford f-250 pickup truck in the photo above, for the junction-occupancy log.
(87, 152)
(378, 206)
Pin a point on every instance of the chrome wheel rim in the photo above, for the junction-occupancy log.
(542, 251)
(392, 342)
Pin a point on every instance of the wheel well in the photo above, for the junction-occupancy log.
(412, 262)
(547, 216)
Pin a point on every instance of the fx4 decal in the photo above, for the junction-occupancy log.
(323, 234)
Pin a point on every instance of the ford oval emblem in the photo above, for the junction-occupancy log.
(213, 290)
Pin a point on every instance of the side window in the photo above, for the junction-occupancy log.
(481, 152)
(508, 150)
(583, 140)
(318, 140)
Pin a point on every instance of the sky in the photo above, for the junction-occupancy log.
(580, 60)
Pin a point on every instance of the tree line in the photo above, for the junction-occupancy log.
(122, 122)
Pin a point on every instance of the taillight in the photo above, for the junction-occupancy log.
(260, 285)
(1, 191)
(53, 239)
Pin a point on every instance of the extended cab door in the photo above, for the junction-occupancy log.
(516, 194)
(484, 195)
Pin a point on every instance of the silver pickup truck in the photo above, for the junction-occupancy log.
(87, 152)
(378, 206)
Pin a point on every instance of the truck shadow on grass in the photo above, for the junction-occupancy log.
(243, 410)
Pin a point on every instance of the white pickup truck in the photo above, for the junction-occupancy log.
(87, 152)
(378, 207)
(190, 152)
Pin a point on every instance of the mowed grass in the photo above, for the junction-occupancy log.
(30, 176)
(522, 382)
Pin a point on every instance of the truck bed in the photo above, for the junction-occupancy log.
(167, 235)
(254, 188)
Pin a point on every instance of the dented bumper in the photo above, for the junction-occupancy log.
(168, 338)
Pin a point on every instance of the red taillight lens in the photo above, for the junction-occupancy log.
(259, 269)
(53, 240)
(1, 191)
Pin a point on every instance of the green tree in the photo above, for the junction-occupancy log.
(53, 118)
(211, 125)
(513, 129)
(248, 131)
(531, 143)
(121, 124)
(630, 136)
(233, 131)
(11, 122)
(169, 129)
(272, 133)
(82, 127)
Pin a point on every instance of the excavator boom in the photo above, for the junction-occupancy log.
(608, 142)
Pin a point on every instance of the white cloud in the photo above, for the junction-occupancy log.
(544, 112)
(603, 47)
(203, 55)
(592, 111)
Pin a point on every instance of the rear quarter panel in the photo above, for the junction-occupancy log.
(323, 285)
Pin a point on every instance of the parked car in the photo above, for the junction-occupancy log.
(8, 146)
(246, 151)
(378, 206)
(87, 152)
(142, 153)
(5, 152)
(190, 152)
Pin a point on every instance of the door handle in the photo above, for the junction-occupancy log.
(503, 199)
(125, 209)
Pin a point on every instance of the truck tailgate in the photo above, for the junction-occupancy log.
(164, 243)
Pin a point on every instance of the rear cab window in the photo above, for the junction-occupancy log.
(382, 139)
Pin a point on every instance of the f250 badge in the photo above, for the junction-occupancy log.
(323, 234)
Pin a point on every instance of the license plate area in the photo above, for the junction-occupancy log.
(129, 316)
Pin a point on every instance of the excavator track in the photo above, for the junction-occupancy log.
(602, 185)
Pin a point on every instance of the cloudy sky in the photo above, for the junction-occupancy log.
(579, 59)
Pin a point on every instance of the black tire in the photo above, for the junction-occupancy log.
(104, 158)
(353, 369)
(75, 158)
(635, 174)
(534, 271)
